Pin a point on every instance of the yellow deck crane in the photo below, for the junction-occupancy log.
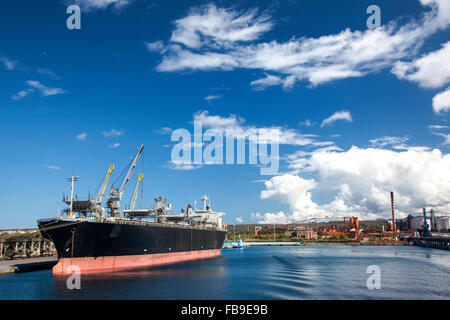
(136, 190)
(103, 187)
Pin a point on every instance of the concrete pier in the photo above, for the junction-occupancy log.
(25, 265)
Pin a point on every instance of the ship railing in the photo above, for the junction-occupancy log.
(156, 224)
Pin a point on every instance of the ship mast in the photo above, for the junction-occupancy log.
(72, 179)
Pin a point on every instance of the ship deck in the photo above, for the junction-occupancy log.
(131, 222)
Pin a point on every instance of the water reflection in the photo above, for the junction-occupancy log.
(153, 283)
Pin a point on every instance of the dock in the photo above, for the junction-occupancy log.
(26, 265)
(437, 242)
(228, 245)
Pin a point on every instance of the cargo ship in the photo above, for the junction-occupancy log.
(90, 238)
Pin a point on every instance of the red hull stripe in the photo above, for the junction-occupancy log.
(116, 263)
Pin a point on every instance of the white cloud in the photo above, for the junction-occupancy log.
(430, 71)
(395, 142)
(441, 101)
(271, 218)
(439, 17)
(114, 145)
(307, 123)
(217, 121)
(52, 167)
(362, 179)
(339, 115)
(8, 63)
(445, 136)
(211, 38)
(239, 220)
(48, 73)
(185, 166)
(236, 127)
(156, 46)
(218, 27)
(82, 136)
(112, 133)
(256, 216)
(45, 91)
(271, 80)
(292, 190)
(268, 81)
(22, 94)
(178, 58)
(90, 5)
(163, 130)
(213, 97)
(437, 127)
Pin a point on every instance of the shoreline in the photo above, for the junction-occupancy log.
(229, 245)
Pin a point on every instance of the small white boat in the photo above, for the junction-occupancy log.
(239, 244)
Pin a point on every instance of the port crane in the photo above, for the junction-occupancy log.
(136, 190)
(425, 227)
(101, 192)
(115, 195)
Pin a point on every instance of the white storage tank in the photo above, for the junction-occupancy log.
(417, 223)
(442, 224)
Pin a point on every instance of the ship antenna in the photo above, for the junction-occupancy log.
(204, 198)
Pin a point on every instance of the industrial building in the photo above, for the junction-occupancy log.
(301, 232)
(442, 224)
(417, 222)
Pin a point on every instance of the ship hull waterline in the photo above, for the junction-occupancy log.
(98, 247)
(90, 265)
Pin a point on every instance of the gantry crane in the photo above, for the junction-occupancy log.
(115, 195)
(136, 190)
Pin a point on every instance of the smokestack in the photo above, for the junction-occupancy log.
(432, 220)
(394, 225)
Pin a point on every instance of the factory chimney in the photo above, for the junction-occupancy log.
(394, 225)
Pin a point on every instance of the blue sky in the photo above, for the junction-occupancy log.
(74, 101)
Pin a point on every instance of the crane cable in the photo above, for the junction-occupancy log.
(123, 172)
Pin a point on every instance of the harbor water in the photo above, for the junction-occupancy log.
(297, 272)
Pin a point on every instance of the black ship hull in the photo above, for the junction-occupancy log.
(108, 246)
